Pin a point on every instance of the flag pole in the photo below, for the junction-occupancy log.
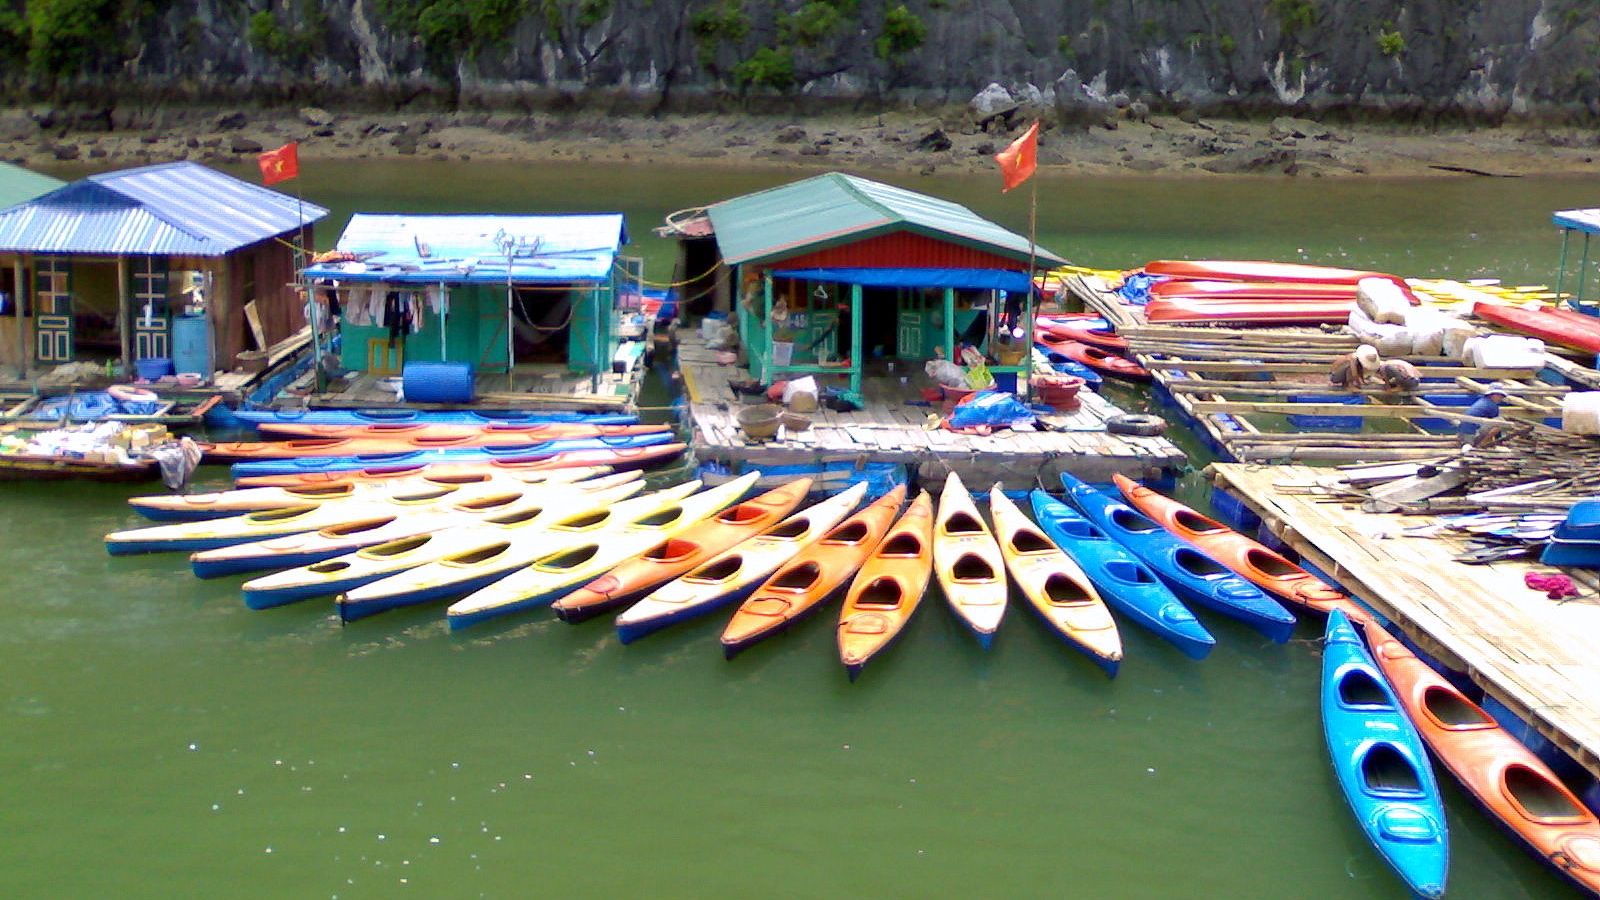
(317, 382)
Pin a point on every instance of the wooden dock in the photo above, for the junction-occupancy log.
(1261, 394)
(889, 429)
(1538, 657)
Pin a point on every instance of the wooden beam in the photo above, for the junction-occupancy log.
(125, 318)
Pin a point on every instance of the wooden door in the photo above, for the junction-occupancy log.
(152, 326)
(53, 311)
(912, 321)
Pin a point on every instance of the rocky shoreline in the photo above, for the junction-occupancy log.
(1129, 142)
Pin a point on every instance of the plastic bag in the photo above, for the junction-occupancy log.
(946, 373)
(994, 408)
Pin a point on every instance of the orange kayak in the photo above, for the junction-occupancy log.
(1056, 588)
(1270, 571)
(227, 451)
(676, 556)
(619, 459)
(968, 562)
(1506, 777)
(812, 576)
(1254, 270)
(516, 434)
(888, 588)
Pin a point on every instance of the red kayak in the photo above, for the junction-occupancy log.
(1566, 327)
(1307, 311)
(1252, 270)
(1085, 328)
(1099, 360)
(619, 459)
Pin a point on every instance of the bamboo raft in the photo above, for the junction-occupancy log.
(890, 430)
(1540, 658)
(1237, 385)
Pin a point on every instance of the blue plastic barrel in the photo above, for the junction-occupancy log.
(191, 345)
(437, 382)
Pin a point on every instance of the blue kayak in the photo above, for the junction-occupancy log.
(429, 457)
(1194, 576)
(1121, 579)
(425, 417)
(1382, 768)
(1061, 363)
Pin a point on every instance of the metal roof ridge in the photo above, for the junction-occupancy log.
(855, 191)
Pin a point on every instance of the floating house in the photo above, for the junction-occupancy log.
(838, 269)
(857, 284)
(524, 302)
(169, 262)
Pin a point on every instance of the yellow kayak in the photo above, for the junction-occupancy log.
(1056, 588)
(888, 588)
(967, 561)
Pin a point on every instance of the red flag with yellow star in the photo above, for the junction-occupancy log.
(1018, 161)
(281, 164)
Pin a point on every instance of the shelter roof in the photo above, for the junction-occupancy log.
(466, 249)
(178, 208)
(836, 208)
(18, 185)
(1585, 220)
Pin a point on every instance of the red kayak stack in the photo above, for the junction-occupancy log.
(1255, 293)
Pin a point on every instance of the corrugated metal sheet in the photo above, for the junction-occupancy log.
(180, 208)
(836, 208)
(901, 250)
(464, 249)
(1585, 220)
(18, 185)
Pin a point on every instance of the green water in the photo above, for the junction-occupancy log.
(157, 738)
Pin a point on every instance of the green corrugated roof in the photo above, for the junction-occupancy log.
(836, 208)
(19, 185)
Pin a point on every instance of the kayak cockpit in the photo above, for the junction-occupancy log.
(1386, 772)
(1539, 800)
(1453, 712)
(1359, 690)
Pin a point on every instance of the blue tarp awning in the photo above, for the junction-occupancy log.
(965, 279)
(471, 249)
(1584, 220)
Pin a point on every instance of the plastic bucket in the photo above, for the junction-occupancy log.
(153, 368)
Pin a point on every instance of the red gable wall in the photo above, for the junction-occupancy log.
(900, 250)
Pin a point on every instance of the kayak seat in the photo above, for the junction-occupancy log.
(1193, 521)
(1026, 540)
(1131, 521)
(1198, 564)
(515, 518)
(971, 567)
(1263, 560)
(721, 570)
(790, 530)
(424, 496)
(662, 518)
(849, 533)
(347, 528)
(1385, 772)
(319, 493)
(1540, 800)
(673, 550)
(395, 548)
(885, 593)
(567, 559)
(744, 512)
(328, 567)
(1359, 690)
(482, 554)
(1059, 590)
(963, 523)
(458, 479)
(279, 515)
(1129, 572)
(489, 502)
(902, 546)
(1453, 711)
(797, 578)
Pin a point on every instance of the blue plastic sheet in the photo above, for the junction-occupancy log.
(993, 408)
(1136, 288)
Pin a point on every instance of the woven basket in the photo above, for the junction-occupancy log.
(761, 422)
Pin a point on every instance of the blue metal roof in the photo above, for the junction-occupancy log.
(180, 208)
(1585, 220)
(470, 249)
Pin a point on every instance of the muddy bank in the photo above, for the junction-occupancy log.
(1162, 146)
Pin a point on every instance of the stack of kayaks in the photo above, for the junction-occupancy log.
(1249, 292)
(732, 575)
(1381, 766)
(1566, 327)
(1194, 576)
(1098, 359)
(512, 453)
(1085, 328)
(573, 437)
(392, 470)
(532, 433)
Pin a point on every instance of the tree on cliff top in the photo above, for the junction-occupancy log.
(453, 31)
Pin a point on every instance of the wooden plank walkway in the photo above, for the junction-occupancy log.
(1538, 657)
(890, 430)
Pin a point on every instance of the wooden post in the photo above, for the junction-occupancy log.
(855, 339)
(1583, 271)
(23, 300)
(124, 317)
(950, 324)
(1561, 273)
(766, 328)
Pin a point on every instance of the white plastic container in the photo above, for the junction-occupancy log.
(1580, 412)
(1504, 351)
